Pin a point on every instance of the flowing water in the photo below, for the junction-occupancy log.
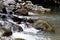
(28, 34)
(53, 19)
(33, 34)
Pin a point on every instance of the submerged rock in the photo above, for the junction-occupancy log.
(16, 28)
(44, 26)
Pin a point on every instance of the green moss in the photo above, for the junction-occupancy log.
(47, 26)
(19, 39)
(7, 33)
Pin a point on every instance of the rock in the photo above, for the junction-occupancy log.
(21, 11)
(30, 21)
(44, 26)
(7, 33)
(3, 16)
(17, 28)
(19, 39)
(1, 5)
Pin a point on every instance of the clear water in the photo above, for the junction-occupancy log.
(53, 19)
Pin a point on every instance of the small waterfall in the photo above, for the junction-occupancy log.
(28, 33)
(27, 27)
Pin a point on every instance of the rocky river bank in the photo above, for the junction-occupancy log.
(21, 20)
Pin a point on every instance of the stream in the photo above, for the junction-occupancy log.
(33, 34)
(30, 33)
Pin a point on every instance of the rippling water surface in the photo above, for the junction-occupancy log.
(53, 19)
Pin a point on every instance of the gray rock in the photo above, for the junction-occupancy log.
(21, 11)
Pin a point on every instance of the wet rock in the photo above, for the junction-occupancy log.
(17, 28)
(7, 33)
(30, 21)
(44, 26)
(3, 16)
(21, 11)
(19, 39)
(1, 5)
(18, 20)
(1, 31)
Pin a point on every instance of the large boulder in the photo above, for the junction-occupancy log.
(44, 26)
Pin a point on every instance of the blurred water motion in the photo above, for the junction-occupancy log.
(21, 29)
(50, 36)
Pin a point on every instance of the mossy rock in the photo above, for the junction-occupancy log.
(7, 33)
(46, 26)
(19, 39)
